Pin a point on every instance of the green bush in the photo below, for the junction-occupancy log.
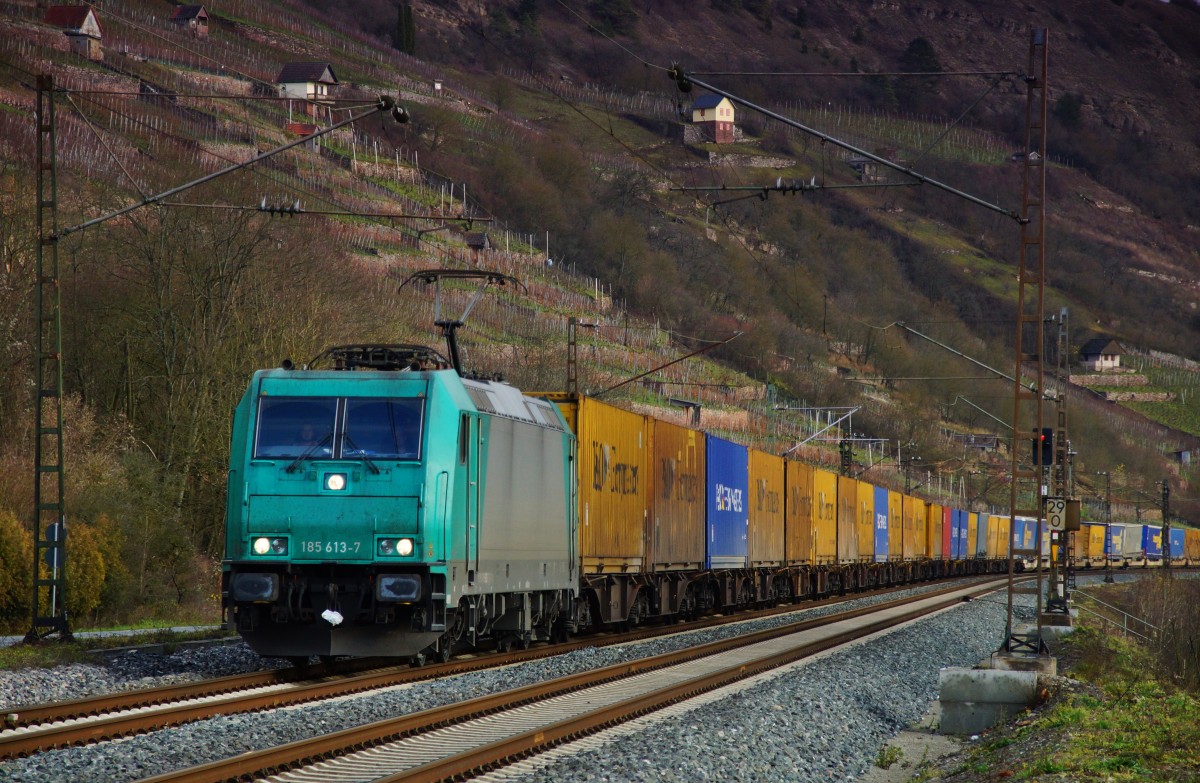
(16, 583)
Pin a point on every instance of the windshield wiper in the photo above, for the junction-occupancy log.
(348, 441)
(311, 450)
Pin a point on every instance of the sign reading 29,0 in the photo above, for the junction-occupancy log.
(330, 547)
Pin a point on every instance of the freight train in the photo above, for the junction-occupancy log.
(381, 503)
(1134, 545)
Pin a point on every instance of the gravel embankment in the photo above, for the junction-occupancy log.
(820, 721)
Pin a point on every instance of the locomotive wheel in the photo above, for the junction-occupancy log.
(418, 660)
(444, 649)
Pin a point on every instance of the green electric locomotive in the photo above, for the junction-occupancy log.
(382, 504)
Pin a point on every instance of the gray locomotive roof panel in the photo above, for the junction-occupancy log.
(504, 400)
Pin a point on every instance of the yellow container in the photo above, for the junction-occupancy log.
(799, 535)
(866, 522)
(915, 508)
(1095, 535)
(765, 545)
(1191, 545)
(847, 524)
(677, 498)
(972, 535)
(825, 508)
(895, 525)
(613, 484)
(934, 516)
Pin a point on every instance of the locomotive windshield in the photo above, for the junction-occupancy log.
(339, 428)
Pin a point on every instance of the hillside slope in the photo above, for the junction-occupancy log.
(570, 143)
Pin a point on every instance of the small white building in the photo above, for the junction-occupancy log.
(79, 24)
(192, 18)
(308, 81)
(1102, 354)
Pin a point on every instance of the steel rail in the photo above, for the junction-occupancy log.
(324, 747)
(40, 727)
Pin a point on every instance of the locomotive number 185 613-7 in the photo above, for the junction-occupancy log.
(330, 547)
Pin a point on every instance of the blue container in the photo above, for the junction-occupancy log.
(1152, 542)
(958, 534)
(1177, 543)
(1014, 535)
(1024, 530)
(1114, 545)
(881, 525)
(728, 489)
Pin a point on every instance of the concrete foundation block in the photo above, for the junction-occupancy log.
(964, 718)
(986, 685)
(1054, 633)
(1039, 664)
(975, 699)
(1056, 620)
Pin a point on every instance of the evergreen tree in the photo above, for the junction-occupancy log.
(406, 33)
(920, 57)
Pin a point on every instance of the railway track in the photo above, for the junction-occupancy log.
(470, 737)
(37, 728)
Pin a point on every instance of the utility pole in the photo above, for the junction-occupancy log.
(1166, 526)
(906, 461)
(1061, 578)
(49, 511)
(1108, 542)
(1029, 345)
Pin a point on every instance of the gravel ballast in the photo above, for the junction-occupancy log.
(820, 721)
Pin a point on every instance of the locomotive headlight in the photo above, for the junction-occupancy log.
(396, 546)
(270, 546)
(335, 482)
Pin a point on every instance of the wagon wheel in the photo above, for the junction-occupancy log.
(559, 632)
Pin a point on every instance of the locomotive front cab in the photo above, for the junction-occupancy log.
(327, 553)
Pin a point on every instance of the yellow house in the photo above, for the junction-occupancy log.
(714, 113)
